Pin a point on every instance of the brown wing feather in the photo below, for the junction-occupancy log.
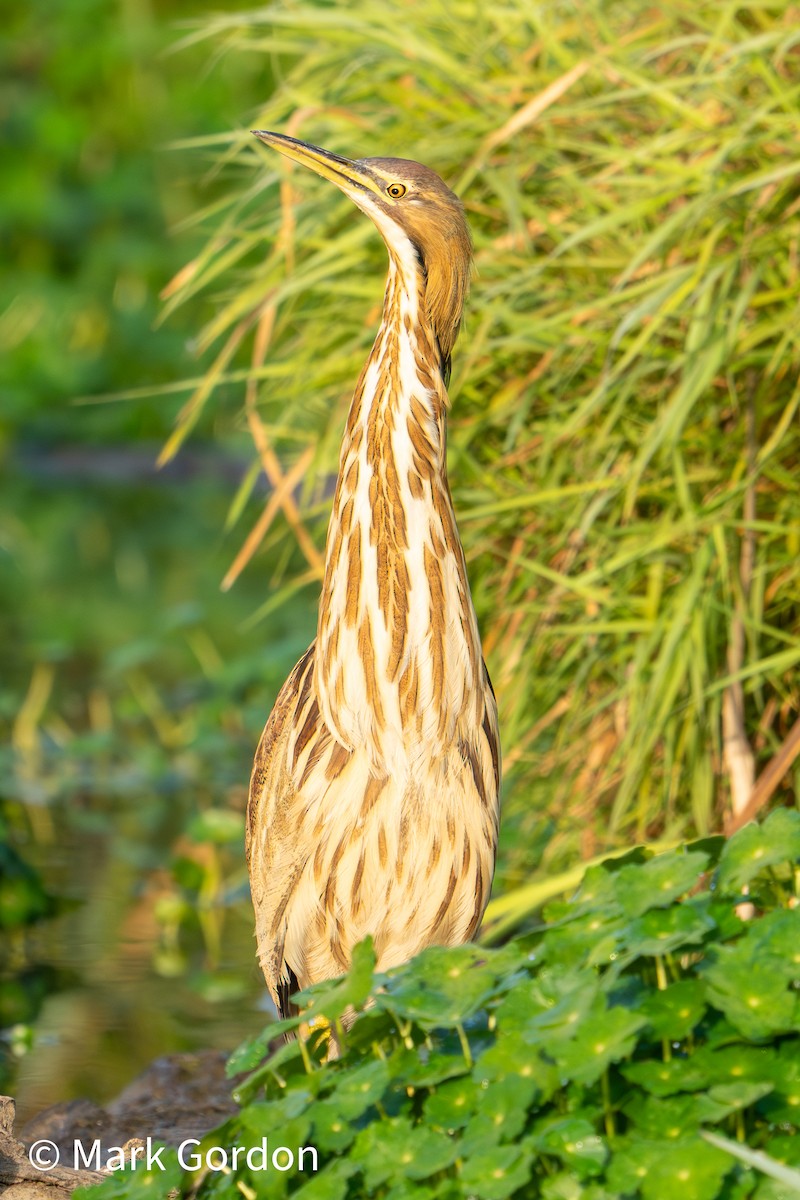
(276, 854)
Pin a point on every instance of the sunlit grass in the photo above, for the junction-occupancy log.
(631, 178)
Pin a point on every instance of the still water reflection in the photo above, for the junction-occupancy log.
(132, 695)
(109, 1008)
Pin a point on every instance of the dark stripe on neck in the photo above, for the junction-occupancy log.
(420, 257)
(444, 359)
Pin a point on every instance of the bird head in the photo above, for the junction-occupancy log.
(421, 220)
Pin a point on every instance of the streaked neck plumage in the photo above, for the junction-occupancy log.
(398, 654)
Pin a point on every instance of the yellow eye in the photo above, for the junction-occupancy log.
(396, 190)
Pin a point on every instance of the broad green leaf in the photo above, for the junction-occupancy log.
(735, 1096)
(657, 883)
(694, 1171)
(591, 938)
(452, 1104)
(598, 891)
(440, 986)
(756, 847)
(286, 1057)
(251, 1052)
(505, 1103)
(331, 1000)
(444, 1189)
(669, 1118)
(496, 1173)
(396, 1149)
(432, 1152)
(674, 1012)
(631, 1160)
(567, 1186)
(330, 1183)
(682, 1114)
(480, 1135)
(286, 1135)
(358, 1089)
(604, 1038)
(732, 1064)
(332, 1131)
(273, 1114)
(381, 1149)
(574, 1141)
(726, 918)
(784, 1072)
(139, 1183)
(785, 1148)
(425, 1068)
(778, 935)
(662, 931)
(740, 1184)
(668, 1078)
(557, 1006)
(512, 1057)
(405, 1189)
(683, 1169)
(751, 981)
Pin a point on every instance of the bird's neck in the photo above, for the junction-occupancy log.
(398, 655)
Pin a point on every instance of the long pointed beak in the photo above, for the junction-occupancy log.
(341, 171)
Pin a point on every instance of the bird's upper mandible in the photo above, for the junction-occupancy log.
(421, 220)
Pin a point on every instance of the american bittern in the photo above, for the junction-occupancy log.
(374, 796)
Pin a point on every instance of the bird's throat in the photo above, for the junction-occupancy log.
(398, 655)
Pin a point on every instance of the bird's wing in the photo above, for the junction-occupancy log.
(274, 857)
(479, 751)
(295, 750)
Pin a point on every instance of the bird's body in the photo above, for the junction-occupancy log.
(374, 796)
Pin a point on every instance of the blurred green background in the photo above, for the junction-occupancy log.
(624, 450)
(131, 695)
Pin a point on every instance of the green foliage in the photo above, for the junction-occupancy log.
(88, 198)
(587, 1059)
(124, 710)
(630, 179)
(23, 899)
(630, 176)
(131, 698)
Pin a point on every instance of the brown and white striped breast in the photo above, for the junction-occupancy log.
(398, 659)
